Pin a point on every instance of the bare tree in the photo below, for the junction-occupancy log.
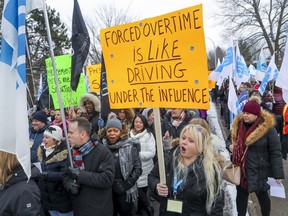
(260, 23)
(104, 17)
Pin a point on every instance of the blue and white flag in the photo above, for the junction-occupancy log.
(274, 70)
(233, 102)
(261, 66)
(252, 71)
(13, 111)
(227, 66)
(282, 79)
(216, 73)
(270, 74)
(242, 99)
(242, 73)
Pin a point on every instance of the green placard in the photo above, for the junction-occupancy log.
(63, 67)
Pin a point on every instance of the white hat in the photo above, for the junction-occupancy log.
(54, 131)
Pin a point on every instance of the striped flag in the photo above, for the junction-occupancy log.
(13, 109)
(13, 83)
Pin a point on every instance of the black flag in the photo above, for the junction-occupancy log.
(105, 106)
(80, 45)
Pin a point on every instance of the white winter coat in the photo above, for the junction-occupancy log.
(147, 153)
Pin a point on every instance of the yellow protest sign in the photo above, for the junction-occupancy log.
(63, 67)
(94, 76)
(158, 62)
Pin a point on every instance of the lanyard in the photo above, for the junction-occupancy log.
(176, 184)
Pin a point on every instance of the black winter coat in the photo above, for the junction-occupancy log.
(121, 185)
(53, 194)
(193, 192)
(19, 197)
(264, 157)
(95, 195)
(167, 124)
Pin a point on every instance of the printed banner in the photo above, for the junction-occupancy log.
(158, 62)
(63, 67)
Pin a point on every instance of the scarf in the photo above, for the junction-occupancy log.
(240, 147)
(78, 154)
(179, 120)
(126, 165)
(49, 150)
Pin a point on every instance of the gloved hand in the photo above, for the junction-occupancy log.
(73, 187)
(100, 123)
(74, 172)
(43, 176)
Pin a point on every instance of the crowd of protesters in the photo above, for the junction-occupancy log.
(114, 170)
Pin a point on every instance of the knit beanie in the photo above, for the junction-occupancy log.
(40, 116)
(114, 123)
(252, 107)
(54, 131)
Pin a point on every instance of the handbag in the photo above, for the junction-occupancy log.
(232, 172)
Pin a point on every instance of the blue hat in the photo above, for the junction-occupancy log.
(40, 116)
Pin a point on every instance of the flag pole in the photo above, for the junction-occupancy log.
(31, 71)
(57, 83)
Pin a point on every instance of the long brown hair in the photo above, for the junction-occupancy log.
(8, 162)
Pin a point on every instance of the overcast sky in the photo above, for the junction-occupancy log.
(145, 9)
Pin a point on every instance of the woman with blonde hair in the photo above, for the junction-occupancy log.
(193, 177)
(18, 196)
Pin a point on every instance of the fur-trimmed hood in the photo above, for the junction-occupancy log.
(264, 126)
(90, 97)
(60, 154)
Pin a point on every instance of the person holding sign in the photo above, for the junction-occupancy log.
(92, 177)
(193, 177)
(127, 165)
